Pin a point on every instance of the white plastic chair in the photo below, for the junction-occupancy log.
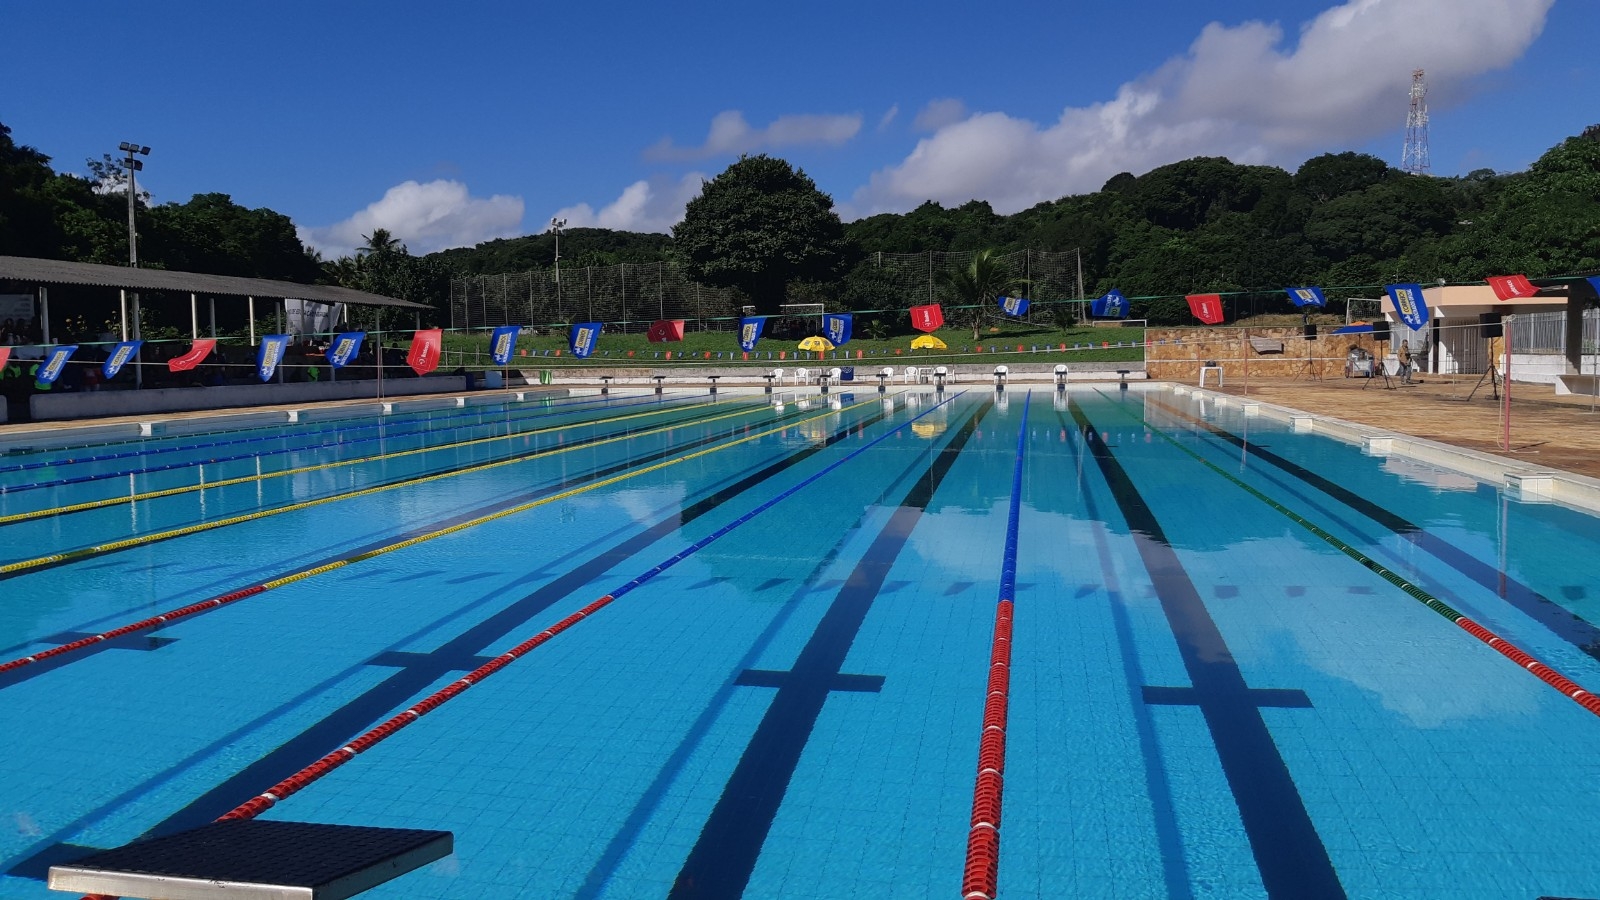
(834, 374)
(777, 375)
(802, 376)
(941, 374)
(1061, 373)
(911, 374)
(1000, 373)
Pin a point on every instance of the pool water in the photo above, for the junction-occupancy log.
(1218, 685)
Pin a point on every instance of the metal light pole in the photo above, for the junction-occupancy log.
(133, 165)
(134, 151)
(555, 226)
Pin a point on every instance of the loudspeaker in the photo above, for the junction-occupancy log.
(1380, 330)
(1311, 331)
(1489, 325)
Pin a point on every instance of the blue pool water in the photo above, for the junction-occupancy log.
(1208, 698)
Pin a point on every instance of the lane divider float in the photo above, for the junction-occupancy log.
(184, 612)
(980, 876)
(1568, 688)
(56, 559)
(310, 774)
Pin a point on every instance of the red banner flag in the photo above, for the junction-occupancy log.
(1512, 287)
(424, 355)
(666, 330)
(928, 318)
(5, 356)
(1206, 307)
(198, 352)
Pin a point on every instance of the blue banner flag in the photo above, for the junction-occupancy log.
(1408, 303)
(345, 347)
(1014, 306)
(54, 363)
(835, 327)
(1595, 281)
(120, 354)
(1112, 306)
(1306, 296)
(750, 332)
(584, 336)
(269, 354)
(502, 342)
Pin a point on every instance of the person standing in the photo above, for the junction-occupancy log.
(1404, 354)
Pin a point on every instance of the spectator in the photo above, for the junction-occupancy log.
(1404, 355)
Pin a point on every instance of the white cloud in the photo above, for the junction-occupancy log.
(730, 134)
(888, 117)
(425, 217)
(654, 205)
(1241, 91)
(939, 113)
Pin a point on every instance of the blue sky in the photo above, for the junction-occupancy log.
(452, 124)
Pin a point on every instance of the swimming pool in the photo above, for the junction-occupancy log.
(1225, 675)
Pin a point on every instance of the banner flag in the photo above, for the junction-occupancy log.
(1512, 287)
(5, 356)
(345, 347)
(929, 318)
(120, 354)
(502, 342)
(199, 351)
(423, 357)
(584, 336)
(836, 328)
(1014, 306)
(665, 331)
(1206, 307)
(750, 331)
(54, 363)
(1594, 282)
(1408, 302)
(1306, 296)
(269, 354)
(1112, 306)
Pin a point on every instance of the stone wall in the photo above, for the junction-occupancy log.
(1176, 354)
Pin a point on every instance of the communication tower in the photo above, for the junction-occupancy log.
(1414, 158)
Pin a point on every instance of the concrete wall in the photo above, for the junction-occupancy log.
(87, 404)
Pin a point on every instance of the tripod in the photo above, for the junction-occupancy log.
(1379, 369)
(1491, 372)
(1307, 369)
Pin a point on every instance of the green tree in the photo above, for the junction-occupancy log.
(977, 289)
(380, 242)
(212, 234)
(757, 226)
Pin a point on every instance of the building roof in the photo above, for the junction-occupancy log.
(55, 271)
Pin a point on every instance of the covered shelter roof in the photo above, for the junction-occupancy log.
(55, 271)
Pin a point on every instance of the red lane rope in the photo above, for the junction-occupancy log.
(980, 877)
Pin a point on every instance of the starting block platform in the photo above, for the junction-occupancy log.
(258, 860)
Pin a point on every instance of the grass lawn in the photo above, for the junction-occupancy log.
(998, 345)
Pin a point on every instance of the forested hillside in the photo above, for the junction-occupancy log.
(1204, 224)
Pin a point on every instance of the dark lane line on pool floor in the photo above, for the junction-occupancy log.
(1563, 622)
(725, 854)
(66, 557)
(1564, 685)
(344, 723)
(1289, 853)
(24, 668)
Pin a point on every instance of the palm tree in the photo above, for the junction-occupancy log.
(977, 288)
(380, 241)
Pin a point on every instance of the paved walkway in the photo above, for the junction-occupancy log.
(1546, 430)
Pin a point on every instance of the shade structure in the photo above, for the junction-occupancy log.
(816, 342)
(927, 342)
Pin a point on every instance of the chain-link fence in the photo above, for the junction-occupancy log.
(632, 295)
